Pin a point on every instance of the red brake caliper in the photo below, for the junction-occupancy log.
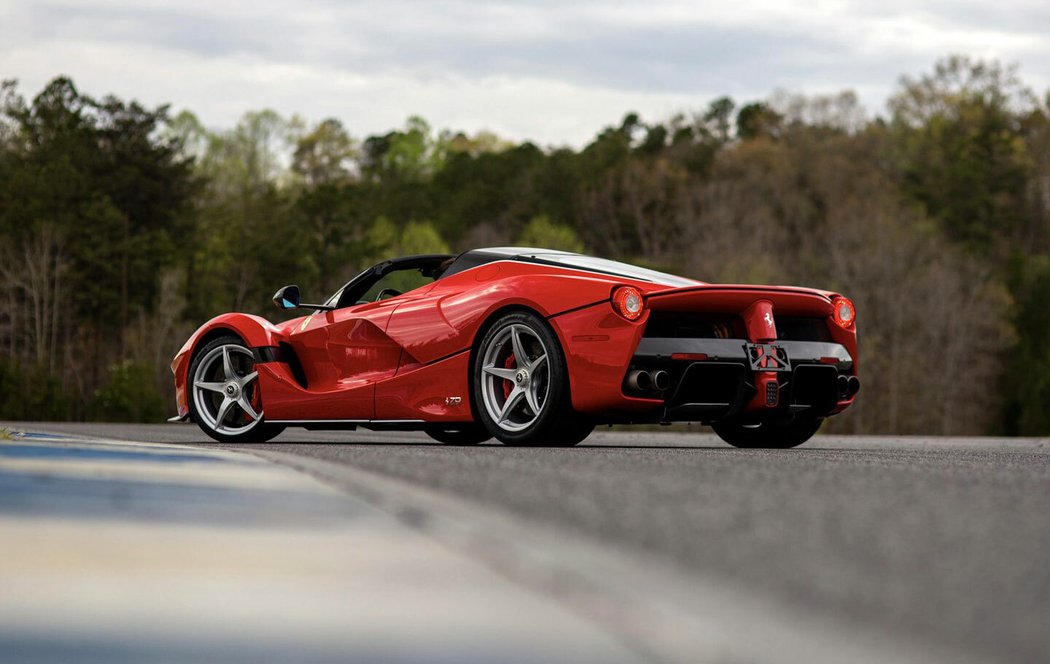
(508, 385)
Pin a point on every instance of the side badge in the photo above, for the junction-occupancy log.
(453, 401)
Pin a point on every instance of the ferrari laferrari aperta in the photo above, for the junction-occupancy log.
(530, 346)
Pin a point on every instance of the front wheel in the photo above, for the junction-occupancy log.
(225, 400)
(521, 385)
(768, 435)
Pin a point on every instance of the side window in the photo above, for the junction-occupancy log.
(394, 284)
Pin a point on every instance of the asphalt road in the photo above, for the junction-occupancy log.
(939, 542)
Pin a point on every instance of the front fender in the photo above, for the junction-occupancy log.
(255, 330)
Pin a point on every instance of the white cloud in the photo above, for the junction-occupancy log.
(547, 70)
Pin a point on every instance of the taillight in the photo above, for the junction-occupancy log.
(843, 311)
(628, 302)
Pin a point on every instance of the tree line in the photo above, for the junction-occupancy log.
(124, 227)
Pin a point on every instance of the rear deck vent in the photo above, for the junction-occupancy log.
(693, 325)
(800, 328)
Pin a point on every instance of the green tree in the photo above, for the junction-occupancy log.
(961, 150)
(411, 154)
(543, 233)
(246, 243)
(719, 118)
(95, 195)
(123, 399)
(757, 119)
(421, 237)
(324, 159)
(325, 155)
(1027, 381)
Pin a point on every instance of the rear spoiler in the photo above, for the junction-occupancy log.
(786, 300)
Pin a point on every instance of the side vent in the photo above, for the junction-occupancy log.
(288, 355)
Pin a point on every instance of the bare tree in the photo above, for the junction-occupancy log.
(33, 275)
(932, 323)
(640, 209)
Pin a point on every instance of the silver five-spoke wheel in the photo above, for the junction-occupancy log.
(225, 390)
(520, 384)
(515, 377)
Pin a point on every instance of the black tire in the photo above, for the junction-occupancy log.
(573, 431)
(557, 424)
(258, 433)
(463, 434)
(768, 435)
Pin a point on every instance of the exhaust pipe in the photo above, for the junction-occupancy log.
(843, 386)
(640, 380)
(854, 385)
(661, 380)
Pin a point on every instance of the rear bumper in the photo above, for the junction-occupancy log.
(735, 350)
(715, 379)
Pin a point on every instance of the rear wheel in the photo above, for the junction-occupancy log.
(464, 434)
(225, 400)
(769, 435)
(521, 385)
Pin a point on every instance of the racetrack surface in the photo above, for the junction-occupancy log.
(938, 542)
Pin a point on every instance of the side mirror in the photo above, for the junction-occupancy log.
(287, 298)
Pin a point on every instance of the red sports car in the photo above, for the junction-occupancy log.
(530, 346)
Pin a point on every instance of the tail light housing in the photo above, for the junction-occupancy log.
(843, 312)
(628, 302)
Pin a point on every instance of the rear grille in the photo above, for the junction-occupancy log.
(799, 328)
(698, 325)
(693, 325)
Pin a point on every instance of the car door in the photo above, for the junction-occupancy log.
(345, 351)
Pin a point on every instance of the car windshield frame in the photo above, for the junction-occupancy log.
(360, 284)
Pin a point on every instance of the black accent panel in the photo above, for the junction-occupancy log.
(708, 391)
(267, 354)
(469, 260)
(814, 388)
(284, 353)
(289, 356)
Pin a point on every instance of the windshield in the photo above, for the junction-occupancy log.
(390, 279)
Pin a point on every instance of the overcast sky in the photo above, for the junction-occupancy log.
(551, 70)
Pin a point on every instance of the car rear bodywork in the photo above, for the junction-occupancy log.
(727, 350)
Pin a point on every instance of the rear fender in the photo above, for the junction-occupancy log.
(446, 319)
(598, 347)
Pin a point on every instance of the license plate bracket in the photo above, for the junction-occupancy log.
(767, 357)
